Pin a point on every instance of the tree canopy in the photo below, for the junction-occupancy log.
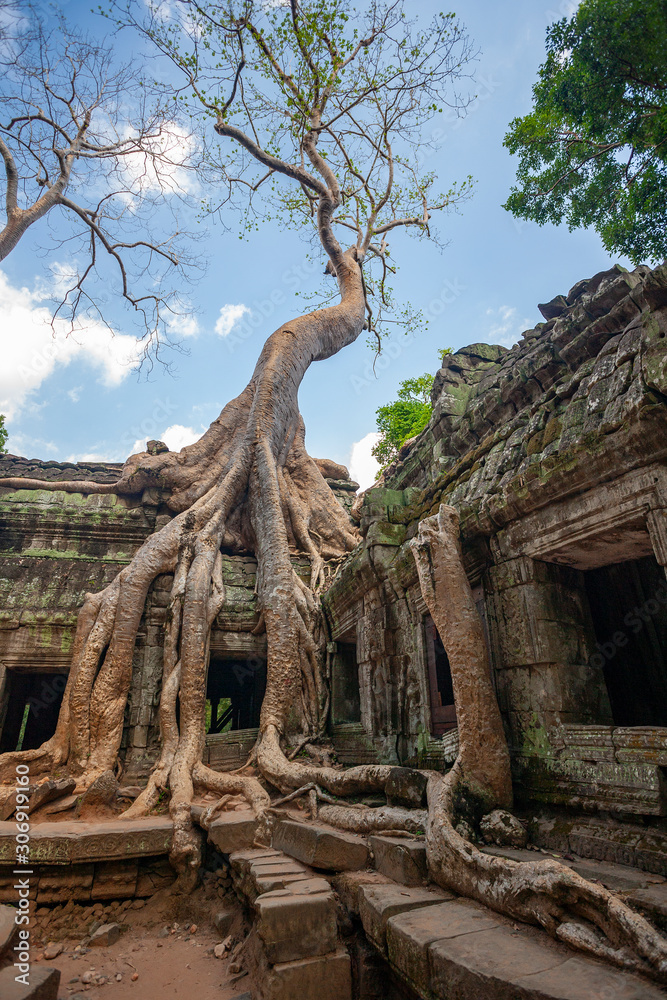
(87, 140)
(314, 97)
(3, 434)
(593, 150)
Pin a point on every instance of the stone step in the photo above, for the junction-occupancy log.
(320, 846)
(644, 891)
(233, 831)
(377, 903)
(404, 860)
(400, 858)
(326, 977)
(261, 870)
(293, 925)
(455, 948)
(42, 984)
(296, 927)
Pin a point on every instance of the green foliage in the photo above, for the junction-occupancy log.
(405, 417)
(3, 435)
(593, 151)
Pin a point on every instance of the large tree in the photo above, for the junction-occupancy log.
(593, 149)
(91, 144)
(326, 109)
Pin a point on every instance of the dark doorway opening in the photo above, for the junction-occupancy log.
(234, 693)
(443, 709)
(33, 704)
(628, 603)
(345, 697)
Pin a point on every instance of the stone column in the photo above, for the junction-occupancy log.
(544, 651)
(656, 523)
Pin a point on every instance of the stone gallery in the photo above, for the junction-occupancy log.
(264, 734)
(540, 591)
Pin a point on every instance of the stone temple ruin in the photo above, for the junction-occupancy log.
(553, 454)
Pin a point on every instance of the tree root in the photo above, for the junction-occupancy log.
(248, 484)
(546, 893)
(374, 820)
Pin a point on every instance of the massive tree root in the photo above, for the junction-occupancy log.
(545, 893)
(249, 484)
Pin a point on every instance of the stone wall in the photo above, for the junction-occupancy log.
(553, 453)
(57, 546)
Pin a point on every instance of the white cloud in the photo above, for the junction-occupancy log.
(75, 393)
(162, 166)
(506, 329)
(183, 325)
(175, 437)
(33, 351)
(363, 467)
(229, 317)
(24, 444)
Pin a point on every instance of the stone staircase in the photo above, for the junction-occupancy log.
(294, 945)
(451, 948)
(437, 945)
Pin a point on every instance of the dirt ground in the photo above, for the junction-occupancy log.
(157, 957)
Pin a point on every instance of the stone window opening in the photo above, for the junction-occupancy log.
(441, 690)
(234, 693)
(33, 703)
(628, 604)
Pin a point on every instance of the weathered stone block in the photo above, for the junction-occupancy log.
(377, 903)
(406, 787)
(654, 353)
(325, 978)
(61, 883)
(384, 533)
(75, 841)
(296, 926)
(233, 831)
(104, 936)
(154, 874)
(410, 934)
(321, 847)
(501, 827)
(49, 791)
(43, 984)
(400, 859)
(115, 880)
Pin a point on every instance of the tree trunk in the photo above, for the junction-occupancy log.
(545, 893)
(248, 483)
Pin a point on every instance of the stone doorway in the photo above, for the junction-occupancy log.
(234, 693)
(32, 703)
(443, 709)
(628, 603)
(345, 693)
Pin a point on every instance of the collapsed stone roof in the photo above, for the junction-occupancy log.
(591, 377)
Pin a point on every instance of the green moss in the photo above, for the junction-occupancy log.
(552, 431)
(536, 739)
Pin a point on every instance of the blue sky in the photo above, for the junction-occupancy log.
(81, 399)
